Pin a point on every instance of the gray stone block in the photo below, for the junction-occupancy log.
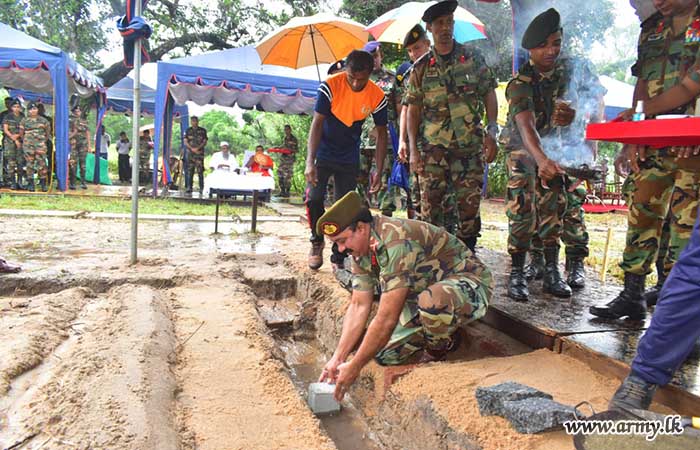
(491, 399)
(536, 414)
(321, 399)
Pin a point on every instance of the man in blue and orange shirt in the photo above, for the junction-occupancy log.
(344, 101)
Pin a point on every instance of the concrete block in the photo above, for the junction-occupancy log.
(536, 414)
(321, 399)
(491, 399)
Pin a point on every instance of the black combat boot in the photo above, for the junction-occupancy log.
(72, 181)
(42, 183)
(651, 296)
(30, 185)
(633, 393)
(517, 285)
(470, 242)
(577, 273)
(535, 269)
(628, 303)
(552, 282)
(190, 180)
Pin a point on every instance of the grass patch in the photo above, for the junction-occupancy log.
(123, 205)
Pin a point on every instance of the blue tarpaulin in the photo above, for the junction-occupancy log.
(30, 64)
(227, 78)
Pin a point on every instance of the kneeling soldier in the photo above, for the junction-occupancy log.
(431, 285)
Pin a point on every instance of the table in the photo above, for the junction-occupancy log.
(657, 133)
(220, 192)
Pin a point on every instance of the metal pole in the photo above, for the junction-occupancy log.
(313, 44)
(135, 144)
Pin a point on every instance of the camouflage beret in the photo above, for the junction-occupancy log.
(540, 28)
(439, 9)
(339, 216)
(414, 35)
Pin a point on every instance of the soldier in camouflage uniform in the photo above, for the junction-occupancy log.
(195, 141)
(431, 285)
(386, 80)
(12, 142)
(35, 132)
(145, 159)
(285, 168)
(660, 181)
(3, 161)
(449, 89)
(536, 188)
(79, 137)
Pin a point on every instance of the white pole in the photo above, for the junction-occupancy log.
(135, 144)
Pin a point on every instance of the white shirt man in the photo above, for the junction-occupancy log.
(223, 160)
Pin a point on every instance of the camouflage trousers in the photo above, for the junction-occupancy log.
(387, 197)
(430, 318)
(78, 153)
(35, 156)
(664, 186)
(13, 156)
(532, 209)
(451, 187)
(195, 164)
(285, 172)
(573, 233)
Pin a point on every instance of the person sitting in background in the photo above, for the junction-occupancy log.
(6, 267)
(260, 162)
(224, 160)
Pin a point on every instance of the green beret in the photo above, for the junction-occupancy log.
(414, 35)
(439, 9)
(339, 216)
(540, 28)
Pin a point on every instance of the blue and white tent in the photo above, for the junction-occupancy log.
(30, 64)
(227, 78)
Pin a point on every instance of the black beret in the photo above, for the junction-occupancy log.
(336, 67)
(32, 105)
(439, 9)
(14, 102)
(414, 35)
(540, 28)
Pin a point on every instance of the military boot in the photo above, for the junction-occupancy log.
(42, 183)
(30, 185)
(535, 269)
(577, 273)
(83, 185)
(651, 296)
(633, 393)
(72, 181)
(552, 282)
(517, 285)
(628, 303)
(316, 255)
(470, 242)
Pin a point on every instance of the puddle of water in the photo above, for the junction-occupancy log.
(347, 428)
(232, 237)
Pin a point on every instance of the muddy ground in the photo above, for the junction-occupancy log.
(208, 341)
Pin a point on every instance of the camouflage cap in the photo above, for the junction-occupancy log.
(339, 216)
(439, 9)
(540, 28)
(414, 35)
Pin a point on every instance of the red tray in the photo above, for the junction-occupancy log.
(655, 133)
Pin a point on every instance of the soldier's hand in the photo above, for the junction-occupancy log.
(375, 182)
(622, 167)
(403, 151)
(548, 169)
(634, 153)
(416, 164)
(311, 175)
(686, 152)
(490, 149)
(626, 115)
(563, 115)
(347, 374)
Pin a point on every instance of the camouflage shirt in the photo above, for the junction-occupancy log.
(81, 126)
(196, 136)
(292, 144)
(412, 254)
(36, 129)
(12, 123)
(664, 59)
(386, 80)
(450, 92)
(533, 91)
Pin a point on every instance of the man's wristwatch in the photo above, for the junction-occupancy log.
(492, 129)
